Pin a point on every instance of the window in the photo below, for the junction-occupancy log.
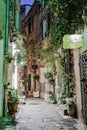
(41, 30)
(31, 26)
(44, 26)
(43, 3)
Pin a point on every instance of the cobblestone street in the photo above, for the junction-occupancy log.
(36, 114)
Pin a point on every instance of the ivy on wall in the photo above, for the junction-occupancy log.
(15, 36)
(66, 18)
(22, 53)
(11, 17)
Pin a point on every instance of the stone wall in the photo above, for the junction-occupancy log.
(77, 81)
(34, 42)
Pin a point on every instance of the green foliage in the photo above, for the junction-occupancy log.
(71, 103)
(67, 77)
(14, 99)
(11, 17)
(69, 94)
(52, 82)
(53, 96)
(14, 94)
(7, 120)
(62, 99)
(68, 15)
(22, 54)
(9, 57)
(36, 76)
(66, 18)
(48, 75)
(21, 86)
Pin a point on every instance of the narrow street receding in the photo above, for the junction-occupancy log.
(36, 114)
(43, 64)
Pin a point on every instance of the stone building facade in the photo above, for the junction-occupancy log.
(36, 27)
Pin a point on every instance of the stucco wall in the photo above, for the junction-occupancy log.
(77, 80)
(2, 17)
(2, 33)
(1, 78)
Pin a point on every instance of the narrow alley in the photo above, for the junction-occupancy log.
(36, 114)
(43, 62)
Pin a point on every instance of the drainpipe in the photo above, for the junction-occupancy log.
(7, 25)
(6, 49)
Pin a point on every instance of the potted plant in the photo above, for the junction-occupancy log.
(62, 99)
(36, 76)
(48, 75)
(53, 98)
(69, 96)
(13, 100)
(9, 57)
(71, 108)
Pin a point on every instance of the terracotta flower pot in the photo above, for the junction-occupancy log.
(16, 106)
(71, 110)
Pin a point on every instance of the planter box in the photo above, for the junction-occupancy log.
(36, 94)
(71, 110)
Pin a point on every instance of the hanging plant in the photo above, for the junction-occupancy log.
(22, 53)
(48, 75)
(64, 20)
(36, 76)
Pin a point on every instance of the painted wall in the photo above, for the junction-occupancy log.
(1, 78)
(2, 37)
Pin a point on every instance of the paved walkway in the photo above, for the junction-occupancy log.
(36, 114)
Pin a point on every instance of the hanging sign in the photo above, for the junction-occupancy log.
(72, 41)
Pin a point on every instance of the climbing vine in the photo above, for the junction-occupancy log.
(15, 36)
(66, 18)
(11, 17)
(21, 53)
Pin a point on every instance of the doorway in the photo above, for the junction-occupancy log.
(29, 82)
